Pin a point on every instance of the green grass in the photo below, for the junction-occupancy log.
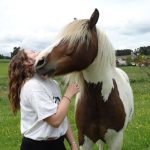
(136, 136)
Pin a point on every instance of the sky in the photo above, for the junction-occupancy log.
(34, 24)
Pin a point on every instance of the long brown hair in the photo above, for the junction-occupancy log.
(19, 71)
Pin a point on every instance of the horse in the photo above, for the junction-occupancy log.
(104, 105)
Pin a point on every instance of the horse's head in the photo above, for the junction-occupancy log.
(75, 49)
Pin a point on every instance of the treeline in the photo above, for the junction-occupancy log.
(143, 50)
(139, 51)
(4, 57)
(122, 52)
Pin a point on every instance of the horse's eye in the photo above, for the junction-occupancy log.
(69, 52)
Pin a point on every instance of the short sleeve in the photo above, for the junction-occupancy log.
(43, 104)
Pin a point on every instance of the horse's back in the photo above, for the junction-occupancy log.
(125, 92)
(122, 74)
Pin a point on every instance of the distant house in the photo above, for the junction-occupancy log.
(121, 62)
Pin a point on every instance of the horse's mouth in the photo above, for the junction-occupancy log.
(45, 72)
(51, 73)
(45, 69)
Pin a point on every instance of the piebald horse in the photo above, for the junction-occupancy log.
(104, 105)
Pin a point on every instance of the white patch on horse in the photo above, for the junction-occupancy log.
(114, 139)
(88, 144)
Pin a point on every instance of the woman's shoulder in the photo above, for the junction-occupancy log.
(33, 84)
(54, 81)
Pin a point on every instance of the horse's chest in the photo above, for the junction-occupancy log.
(94, 116)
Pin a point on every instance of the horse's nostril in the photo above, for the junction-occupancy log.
(41, 63)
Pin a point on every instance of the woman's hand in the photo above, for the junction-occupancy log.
(71, 90)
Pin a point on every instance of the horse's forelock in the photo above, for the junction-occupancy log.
(76, 31)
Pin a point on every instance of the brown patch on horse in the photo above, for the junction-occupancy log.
(94, 116)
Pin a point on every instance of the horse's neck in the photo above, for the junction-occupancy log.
(96, 76)
(105, 78)
(102, 68)
(98, 73)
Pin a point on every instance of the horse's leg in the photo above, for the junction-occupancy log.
(87, 145)
(115, 140)
(100, 143)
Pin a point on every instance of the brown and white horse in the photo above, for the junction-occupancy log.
(105, 104)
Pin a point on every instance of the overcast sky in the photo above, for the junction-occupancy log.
(34, 24)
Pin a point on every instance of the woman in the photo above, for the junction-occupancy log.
(43, 111)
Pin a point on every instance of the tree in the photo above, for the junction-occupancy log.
(15, 51)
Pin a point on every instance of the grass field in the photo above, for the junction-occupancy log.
(136, 137)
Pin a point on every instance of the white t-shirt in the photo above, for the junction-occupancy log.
(38, 100)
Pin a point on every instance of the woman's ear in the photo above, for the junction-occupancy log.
(31, 61)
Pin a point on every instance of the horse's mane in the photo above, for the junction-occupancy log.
(76, 31)
(106, 53)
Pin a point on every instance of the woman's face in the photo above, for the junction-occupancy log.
(31, 54)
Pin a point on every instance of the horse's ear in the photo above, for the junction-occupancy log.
(94, 18)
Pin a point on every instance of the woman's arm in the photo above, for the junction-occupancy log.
(70, 138)
(56, 119)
